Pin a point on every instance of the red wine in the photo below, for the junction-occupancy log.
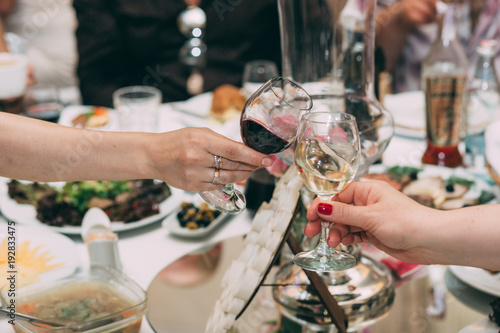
(49, 112)
(260, 138)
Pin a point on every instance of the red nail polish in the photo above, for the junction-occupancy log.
(325, 208)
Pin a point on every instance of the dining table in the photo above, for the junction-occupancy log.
(146, 251)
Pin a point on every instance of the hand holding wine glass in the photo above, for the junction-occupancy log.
(269, 122)
(327, 154)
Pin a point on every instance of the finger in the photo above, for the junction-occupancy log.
(225, 176)
(312, 228)
(235, 166)
(337, 233)
(238, 152)
(337, 212)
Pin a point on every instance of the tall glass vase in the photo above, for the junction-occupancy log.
(328, 47)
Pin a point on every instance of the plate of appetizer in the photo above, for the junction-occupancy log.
(436, 187)
(194, 218)
(61, 206)
(40, 254)
(225, 103)
(91, 117)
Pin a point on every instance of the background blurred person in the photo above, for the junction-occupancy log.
(123, 43)
(406, 30)
(45, 31)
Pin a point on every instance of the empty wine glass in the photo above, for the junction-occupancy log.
(268, 123)
(327, 155)
(255, 74)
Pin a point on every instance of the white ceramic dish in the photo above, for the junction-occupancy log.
(171, 223)
(26, 214)
(71, 112)
(62, 249)
(483, 325)
(478, 278)
(198, 105)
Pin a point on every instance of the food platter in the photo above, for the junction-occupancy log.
(72, 111)
(478, 278)
(61, 250)
(431, 171)
(25, 214)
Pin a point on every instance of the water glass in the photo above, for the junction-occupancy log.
(137, 108)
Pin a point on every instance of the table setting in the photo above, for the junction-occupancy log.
(172, 255)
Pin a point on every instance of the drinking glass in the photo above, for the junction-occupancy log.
(137, 108)
(255, 74)
(43, 102)
(268, 123)
(327, 155)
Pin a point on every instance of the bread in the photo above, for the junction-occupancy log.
(227, 102)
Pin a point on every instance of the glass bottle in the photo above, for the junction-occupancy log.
(444, 74)
(483, 101)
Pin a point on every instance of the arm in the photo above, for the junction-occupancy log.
(41, 151)
(374, 212)
(395, 22)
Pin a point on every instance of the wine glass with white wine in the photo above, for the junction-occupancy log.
(327, 155)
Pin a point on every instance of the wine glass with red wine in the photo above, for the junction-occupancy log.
(269, 122)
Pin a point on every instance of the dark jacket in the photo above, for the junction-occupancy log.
(130, 42)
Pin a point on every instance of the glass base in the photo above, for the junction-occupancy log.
(324, 260)
(229, 201)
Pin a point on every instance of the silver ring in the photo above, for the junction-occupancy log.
(217, 162)
(216, 179)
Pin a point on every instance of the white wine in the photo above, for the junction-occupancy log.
(324, 170)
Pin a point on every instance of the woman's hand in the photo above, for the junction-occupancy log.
(185, 159)
(374, 212)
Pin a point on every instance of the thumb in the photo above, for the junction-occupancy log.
(337, 212)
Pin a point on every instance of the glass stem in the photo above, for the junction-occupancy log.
(323, 246)
(228, 189)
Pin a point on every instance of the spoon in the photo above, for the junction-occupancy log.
(31, 319)
(77, 328)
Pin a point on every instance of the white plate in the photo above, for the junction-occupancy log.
(484, 325)
(61, 248)
(408, 110)
(478, 278)
(71, 112)
(171, 223)
(445, 173)
(26, 214)
(198, 105)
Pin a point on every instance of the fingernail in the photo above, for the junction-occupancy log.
(267, 162)
(325, 208)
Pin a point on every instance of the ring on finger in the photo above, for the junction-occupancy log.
(217, 162)
(216, 178)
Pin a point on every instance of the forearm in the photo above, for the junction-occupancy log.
(468, 237)
(49, 152)
(391, 34)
